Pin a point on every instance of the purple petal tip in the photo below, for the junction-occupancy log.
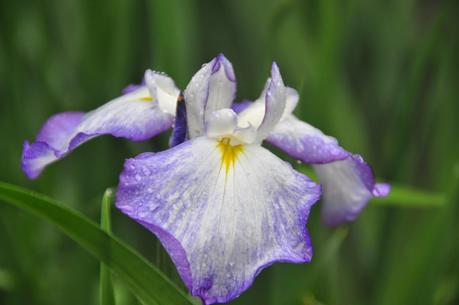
(381, 189)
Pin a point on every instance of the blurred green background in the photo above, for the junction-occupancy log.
(381, 76)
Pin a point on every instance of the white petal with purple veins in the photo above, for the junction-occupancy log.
(138, 115)
(305, 142)
(212, 88)
(347, 186)
(223, 212)
(275, 100)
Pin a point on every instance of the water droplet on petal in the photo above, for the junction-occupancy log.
(146, 171)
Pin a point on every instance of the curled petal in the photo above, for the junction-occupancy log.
(348, 185)
(252, 113)
(136, 116)
(222, 212)
(275, 100)
(211, 88)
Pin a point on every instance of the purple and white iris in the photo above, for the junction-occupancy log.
(223, 206)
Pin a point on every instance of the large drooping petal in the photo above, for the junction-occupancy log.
(222, 212)
(305, 142)
(138, 115)
(347, 185)
(212, 88)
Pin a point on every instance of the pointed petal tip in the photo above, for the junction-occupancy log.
(221, 61)
(35, 157)
(381, 189)
(276, 77)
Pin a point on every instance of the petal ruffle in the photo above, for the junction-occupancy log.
(347, 186)
(212, 88)
(136, 116)
(221, 223)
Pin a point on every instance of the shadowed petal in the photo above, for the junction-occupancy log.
(348, 185)
(136, 116)
(222, 213)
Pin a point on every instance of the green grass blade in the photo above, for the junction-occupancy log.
(106, 284)
(403, 196)
(400, 195)
(146, 281)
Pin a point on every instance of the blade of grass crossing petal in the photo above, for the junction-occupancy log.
(106, 284)
(148, 284)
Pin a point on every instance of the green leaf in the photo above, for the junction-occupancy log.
(400, 195)
(106, 285)
(146, 282)
(409, 197)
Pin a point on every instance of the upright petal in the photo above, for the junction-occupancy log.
(348, 185)
(222, 212)
(275, 100)
(136, 116)
(211, 88)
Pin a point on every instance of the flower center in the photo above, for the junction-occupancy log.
(229, 153)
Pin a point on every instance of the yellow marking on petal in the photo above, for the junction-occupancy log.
(229, 153)
(146, 98)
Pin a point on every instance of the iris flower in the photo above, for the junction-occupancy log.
(223, 206)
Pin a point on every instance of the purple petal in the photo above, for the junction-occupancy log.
(221, 224)
(348, 185)
(305, 142)
(130, 88)
(179, 133)
(381, 189)
(241, 106)
(49, 140)
(212, 88)
(135, 116)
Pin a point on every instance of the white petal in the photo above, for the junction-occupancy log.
(162, 88)
(231, 219)
(220, 123)
(212, 88)
(275, 100)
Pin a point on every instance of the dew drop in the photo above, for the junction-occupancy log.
(137, 177)
(146, 171)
